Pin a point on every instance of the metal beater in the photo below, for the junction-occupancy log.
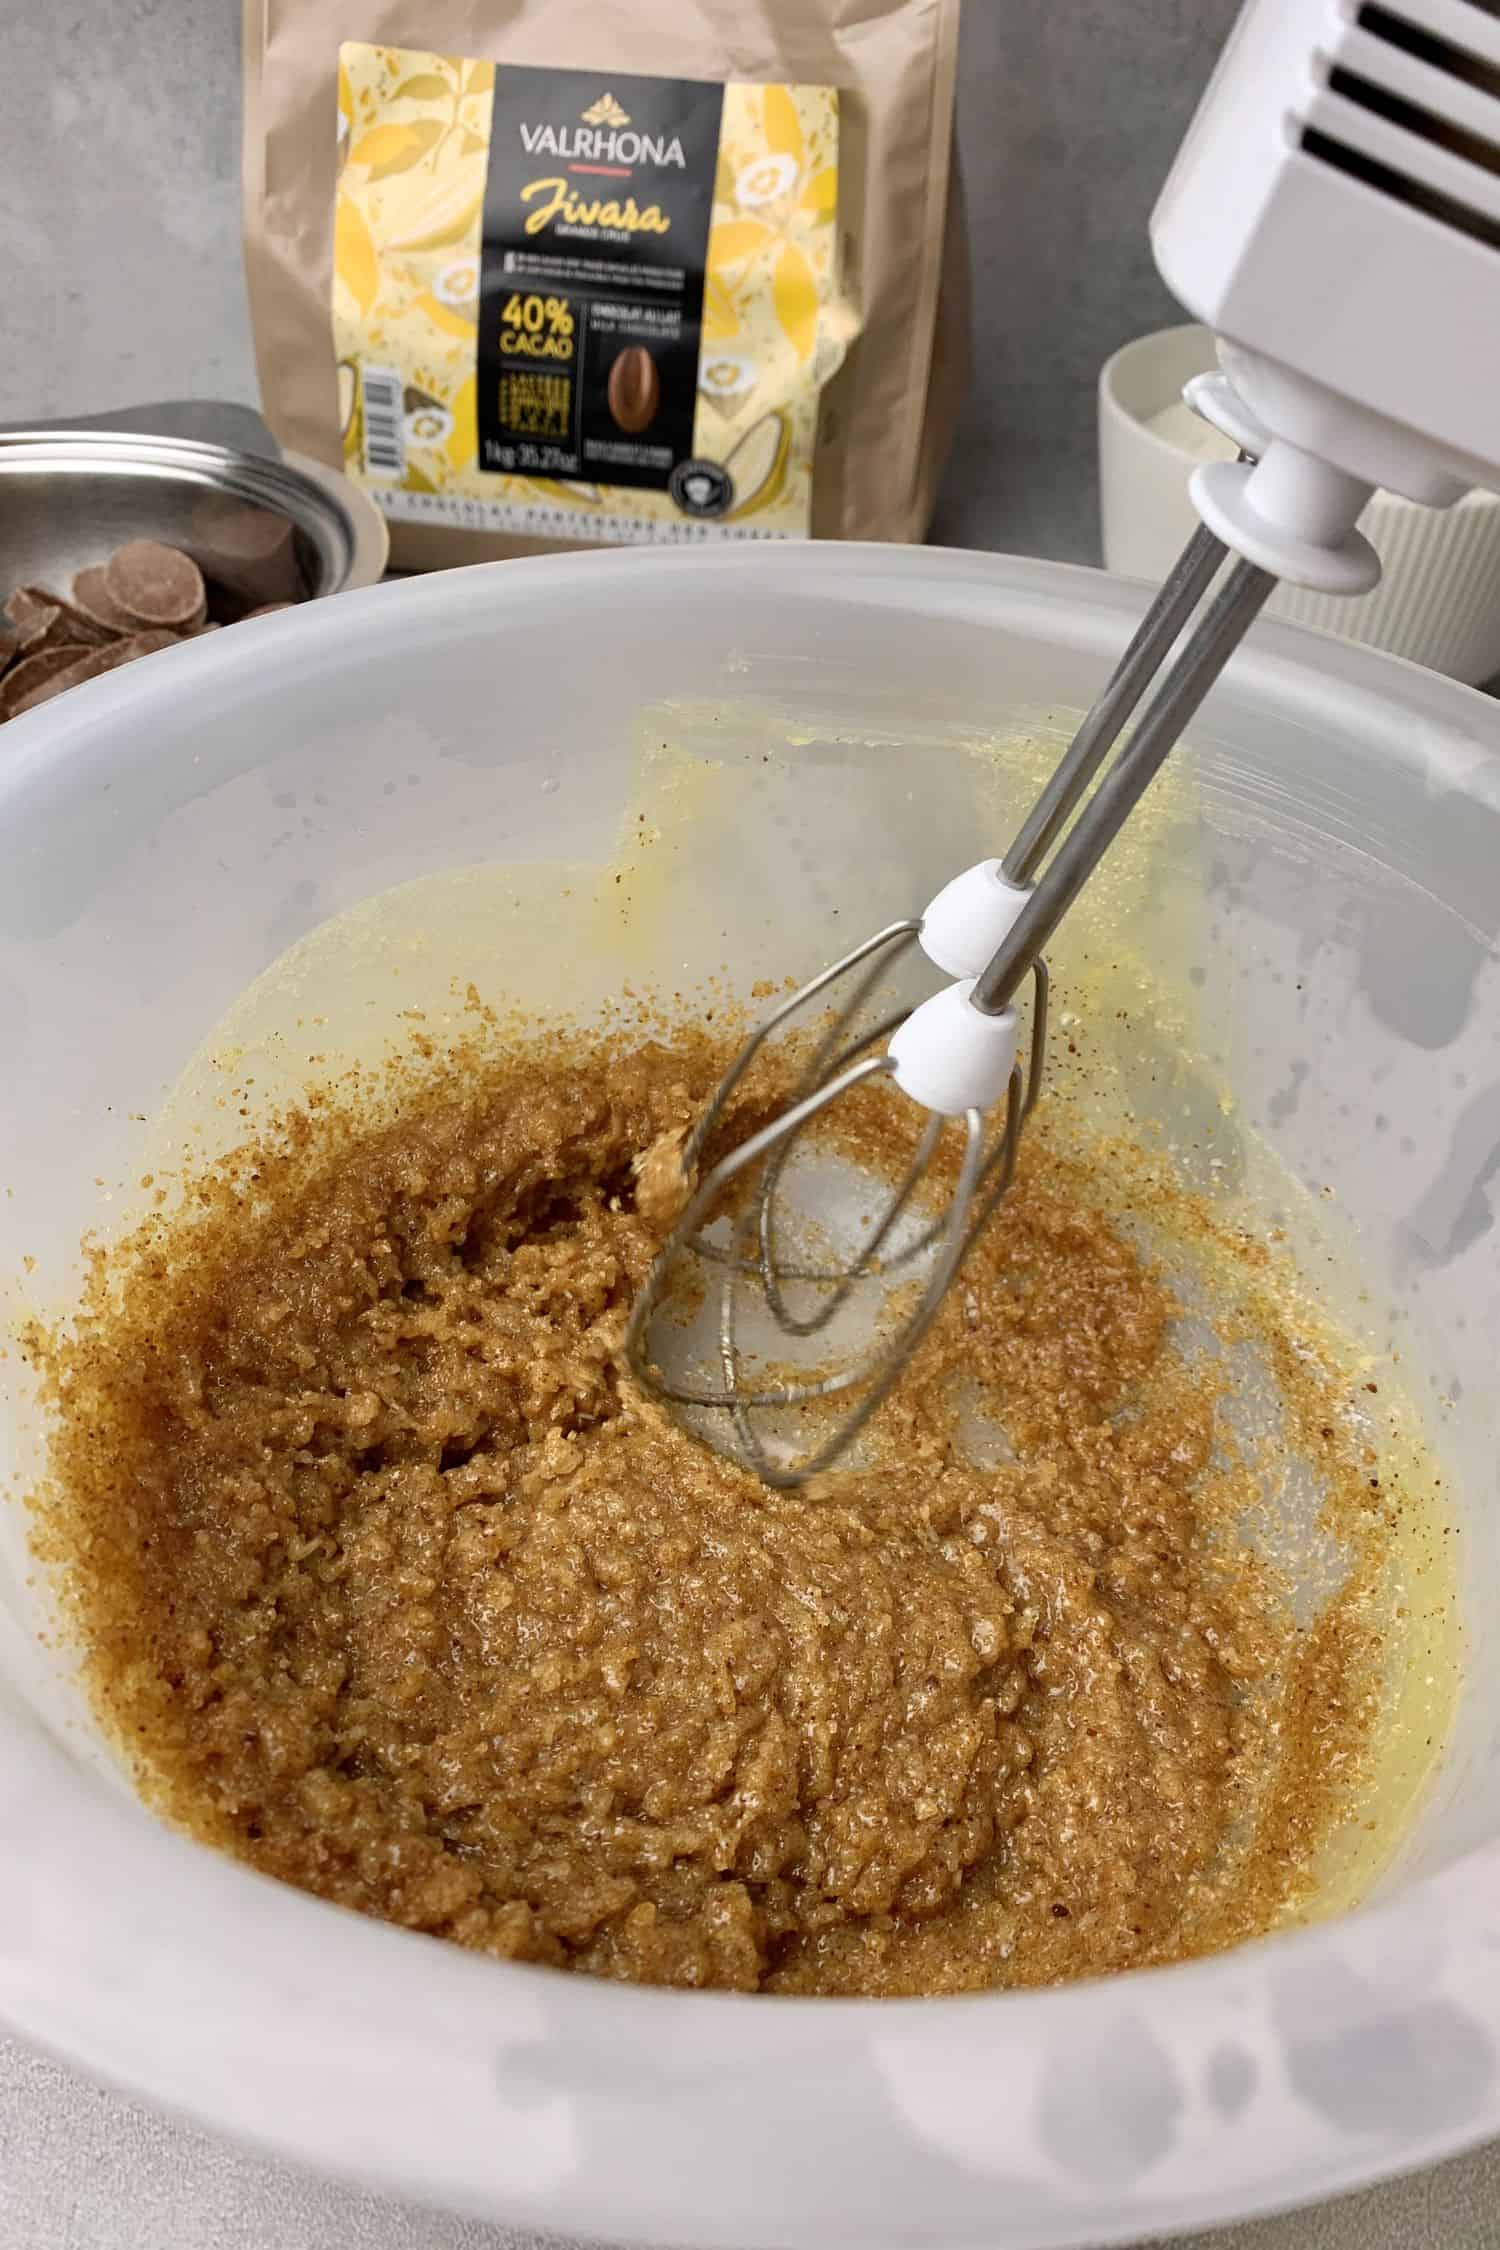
(1332, 217)
(955, 1055)
(1309, 457)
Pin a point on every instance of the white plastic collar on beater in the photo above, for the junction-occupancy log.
(969, 917)
(1291, 514)
(950, 1057)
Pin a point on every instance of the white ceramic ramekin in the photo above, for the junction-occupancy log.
(1438, 601)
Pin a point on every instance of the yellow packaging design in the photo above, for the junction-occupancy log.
(565, 333)
(585, 275)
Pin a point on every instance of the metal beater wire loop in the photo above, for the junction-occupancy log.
(1177, 652)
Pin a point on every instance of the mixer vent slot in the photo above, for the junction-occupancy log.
(1414, 110)
(1473, 147)
(1427, 47)
(1431, 202)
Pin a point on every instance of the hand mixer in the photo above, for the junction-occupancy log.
(1334, 216)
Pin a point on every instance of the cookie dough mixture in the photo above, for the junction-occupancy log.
(392, 1586)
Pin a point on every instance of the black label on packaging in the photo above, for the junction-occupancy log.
(596, 216)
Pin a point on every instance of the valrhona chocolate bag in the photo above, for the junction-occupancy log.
(594, 273)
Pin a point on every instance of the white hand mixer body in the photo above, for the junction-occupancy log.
(1334, 215)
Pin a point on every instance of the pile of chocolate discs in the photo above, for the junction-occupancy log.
(147, 596)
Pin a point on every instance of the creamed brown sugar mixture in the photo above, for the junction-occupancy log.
(392, 1585)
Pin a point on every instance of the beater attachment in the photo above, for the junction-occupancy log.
(1347, 270)
(781, 1311)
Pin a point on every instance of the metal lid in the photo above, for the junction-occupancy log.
(67, 496)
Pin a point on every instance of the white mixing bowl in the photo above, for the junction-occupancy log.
(165, 833)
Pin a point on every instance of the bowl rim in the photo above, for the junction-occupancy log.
(1112, 406)
(325, 506)
(516, 2093)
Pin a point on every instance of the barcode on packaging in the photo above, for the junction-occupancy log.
(385, 437)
